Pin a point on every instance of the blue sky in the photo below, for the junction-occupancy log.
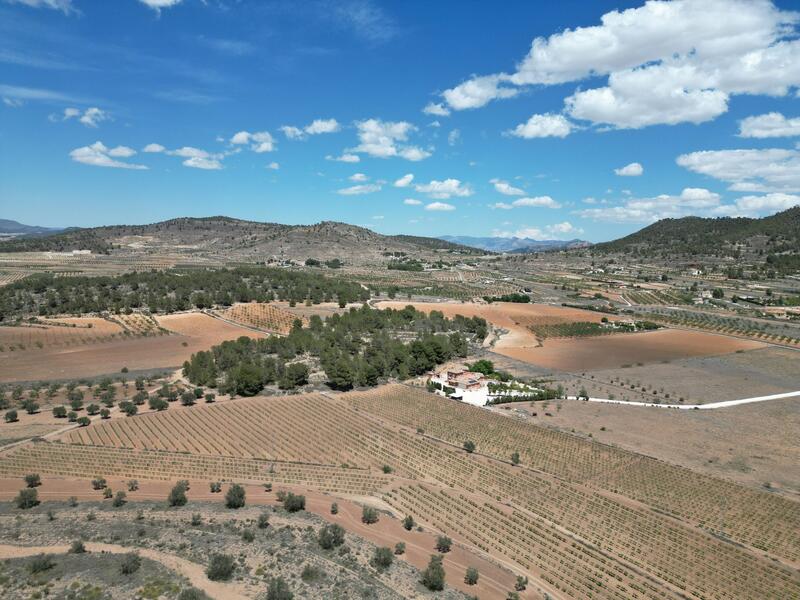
(546, 120)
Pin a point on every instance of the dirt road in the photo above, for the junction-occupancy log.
(192, 571)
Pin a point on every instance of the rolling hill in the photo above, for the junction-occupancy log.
(239, 240)
(777, 235)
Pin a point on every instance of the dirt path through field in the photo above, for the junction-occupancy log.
(192, 571)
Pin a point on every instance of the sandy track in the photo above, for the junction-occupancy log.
(710, 405)
(192, 571)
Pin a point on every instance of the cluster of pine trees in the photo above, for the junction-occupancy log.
(170, 291)
(360, 347)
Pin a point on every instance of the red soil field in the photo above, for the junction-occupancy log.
(587, 353)
(195, 331)
(611, 351)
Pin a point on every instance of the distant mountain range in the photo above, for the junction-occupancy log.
(514, 244)
(9, 227)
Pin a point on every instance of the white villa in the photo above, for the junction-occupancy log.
(472, 387)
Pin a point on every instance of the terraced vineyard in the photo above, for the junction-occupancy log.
(760, 519)
(267, 317)
(658, 297)
(138, 324)
(53, 458)
(778, 333)
(7, 277)
(58, 332)
(583, 519)
(307, 428)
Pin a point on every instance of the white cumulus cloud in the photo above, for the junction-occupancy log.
(536, 201)
(386, 139)
(506, 188)
(345, 158)
(357, 190)
(153, 148)
(404, 181)
(411, 202)
(439, 206)
(358, 177)
(436, 108)
(444, 189)
(541, 126)
(99, 155)
(769, 125)
(666, 62)
(259, 141)
(633, 169)
(748, 170)
(316, 127)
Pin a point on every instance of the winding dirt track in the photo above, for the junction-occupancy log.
(192, 571)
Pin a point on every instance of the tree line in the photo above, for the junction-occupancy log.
(171, 290)
(360, 347)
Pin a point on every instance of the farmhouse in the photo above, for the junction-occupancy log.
(473, 387)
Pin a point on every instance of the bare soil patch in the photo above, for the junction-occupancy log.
(620, 349)
(752, 444)
(196, 331)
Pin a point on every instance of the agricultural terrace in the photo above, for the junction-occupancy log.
(75, 353)
(262, 316)
(169, 291)
(786, 334)
(359, 347)
(575, 515)
(756, 518)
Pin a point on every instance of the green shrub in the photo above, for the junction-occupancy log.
(443, 544)
(382, 558)
(130, 563)
(33, 480)
(220, 567)
(235, 498)
(433, 575)
(77, 547)
(330, 536)
(471, 576)
(177, 496)
(294, 502)
(279, 590)
(27, 498)
(369, 515)
(41, 563)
